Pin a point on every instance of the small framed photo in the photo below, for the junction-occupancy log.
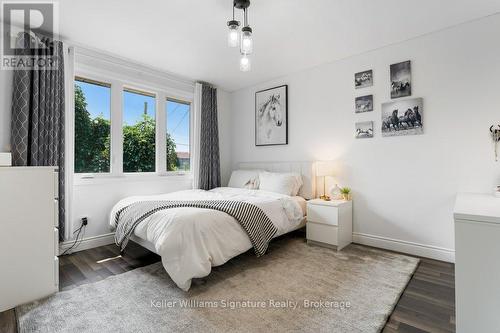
(401, 79)
(364, 129)
(364, 104)
(271, 116)
(363, 79)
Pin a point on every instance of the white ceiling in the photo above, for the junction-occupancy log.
(188, 37)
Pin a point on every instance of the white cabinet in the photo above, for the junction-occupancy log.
(329, 223)
(477, 263)
(29, 267)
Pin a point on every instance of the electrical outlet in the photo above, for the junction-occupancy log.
(85, 220)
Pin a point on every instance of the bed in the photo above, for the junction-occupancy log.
(191, 241)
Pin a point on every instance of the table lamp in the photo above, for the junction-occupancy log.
(324, 169)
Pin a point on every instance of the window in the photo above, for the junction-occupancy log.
(129, 127)
(92, 126)
(178, 154)
(139, 131)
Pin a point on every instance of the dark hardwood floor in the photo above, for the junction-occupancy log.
(426, 305)
(428, 302)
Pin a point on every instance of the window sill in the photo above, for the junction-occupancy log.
(89, 179)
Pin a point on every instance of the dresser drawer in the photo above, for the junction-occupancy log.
(322, 233)
(56, 274)
(322, 214)
(56, 184)
(56, 242)
(56, 213)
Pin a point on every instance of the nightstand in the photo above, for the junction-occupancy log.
(329, 223)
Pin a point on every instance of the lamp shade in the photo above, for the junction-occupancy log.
(324, 168)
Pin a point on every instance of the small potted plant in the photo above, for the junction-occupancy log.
(346, 193)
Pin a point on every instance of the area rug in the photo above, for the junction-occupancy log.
(294, 288)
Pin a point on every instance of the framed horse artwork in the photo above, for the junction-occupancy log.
(271, 116)
(401, 79)
(404, 117)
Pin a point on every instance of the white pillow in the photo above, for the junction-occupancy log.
(284, 183)
(244, 179)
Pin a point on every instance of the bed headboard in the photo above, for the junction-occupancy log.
(306, 169)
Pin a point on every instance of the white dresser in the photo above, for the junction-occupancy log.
(477, 263)
(329, 223)
(29, 267)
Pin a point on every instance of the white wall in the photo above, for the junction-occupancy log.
(5, 111)
(404, 187)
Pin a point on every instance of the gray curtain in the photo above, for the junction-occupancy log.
(209, 140)
(37, 137)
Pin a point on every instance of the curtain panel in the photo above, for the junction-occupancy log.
(209, 172)
(37, 136)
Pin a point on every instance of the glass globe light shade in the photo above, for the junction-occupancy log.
(245, 64)
(246, 41)
(233, 36)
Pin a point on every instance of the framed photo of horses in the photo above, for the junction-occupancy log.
(364, 129)
(363, 104)
(401, 79)
(405, 117)
(271, 116)
(363, 79)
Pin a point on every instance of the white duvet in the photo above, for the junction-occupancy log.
(192, 240)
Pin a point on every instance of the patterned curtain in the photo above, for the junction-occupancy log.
(37, 137)
(209, 140)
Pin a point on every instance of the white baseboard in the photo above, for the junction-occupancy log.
(421, 250)
(88, 243)
(397, 245)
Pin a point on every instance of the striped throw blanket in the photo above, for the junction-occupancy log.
(252, 219)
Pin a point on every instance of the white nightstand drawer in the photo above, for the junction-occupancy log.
(322, 214)
(321, 233)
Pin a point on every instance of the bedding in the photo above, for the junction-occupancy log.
(284, 183)
(191, 241)
(302, 203)
(252, 219)
(245, 179)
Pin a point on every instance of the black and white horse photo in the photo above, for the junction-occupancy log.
(363, 79)
(271, 117)
(363, 104)
(401, 79)
(364, 129)
(403, 117)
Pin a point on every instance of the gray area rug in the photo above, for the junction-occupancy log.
(293, 288)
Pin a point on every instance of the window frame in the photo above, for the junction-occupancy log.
(118, 85)
(144, 92)
(191, 125)
(104, 83)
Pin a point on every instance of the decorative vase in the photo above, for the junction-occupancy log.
(335, 193)
(346, 196)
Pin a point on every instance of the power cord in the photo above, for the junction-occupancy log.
(78, 240)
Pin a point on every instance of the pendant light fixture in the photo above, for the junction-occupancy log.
(243, 40)
(246, 47)
(245, 65)
(233, 35)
